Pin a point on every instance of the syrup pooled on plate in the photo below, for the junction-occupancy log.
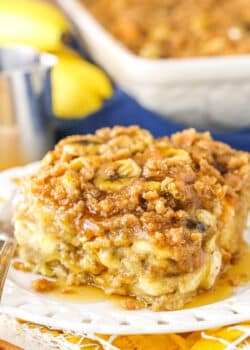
(82, 294)
(237, 275)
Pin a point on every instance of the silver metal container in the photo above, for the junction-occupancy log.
(26, 131)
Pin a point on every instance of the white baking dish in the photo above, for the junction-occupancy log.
(202, 92)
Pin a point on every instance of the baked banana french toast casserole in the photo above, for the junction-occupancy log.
(153, 219)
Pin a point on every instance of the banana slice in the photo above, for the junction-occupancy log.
(152, 186)
(205, 217)
(177, 154)
(82, 145)
(114, 176)
(131, 143)
(84, 165)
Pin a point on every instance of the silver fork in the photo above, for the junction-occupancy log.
(7, 250)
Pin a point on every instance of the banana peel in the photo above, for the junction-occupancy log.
(94, 78)
(32, 22)
(70, 96)
(78, 87)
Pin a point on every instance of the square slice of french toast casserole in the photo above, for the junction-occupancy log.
(154, 219)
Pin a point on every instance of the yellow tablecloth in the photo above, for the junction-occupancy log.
(30, 336)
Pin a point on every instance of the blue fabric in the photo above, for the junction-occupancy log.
(121, 109)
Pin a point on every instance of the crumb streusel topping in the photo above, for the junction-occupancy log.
(167, 190)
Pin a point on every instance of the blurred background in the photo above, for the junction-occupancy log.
(73, 66)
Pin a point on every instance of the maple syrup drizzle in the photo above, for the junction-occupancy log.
(83, 294)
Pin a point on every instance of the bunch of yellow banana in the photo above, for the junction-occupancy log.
(32, 22)
(78, 87)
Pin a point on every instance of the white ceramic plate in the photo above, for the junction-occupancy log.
(103, 317)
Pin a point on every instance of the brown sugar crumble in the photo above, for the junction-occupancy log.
(43, 285)
(130, 304)
(21, 266)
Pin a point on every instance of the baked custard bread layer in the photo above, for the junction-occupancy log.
(156, 219)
